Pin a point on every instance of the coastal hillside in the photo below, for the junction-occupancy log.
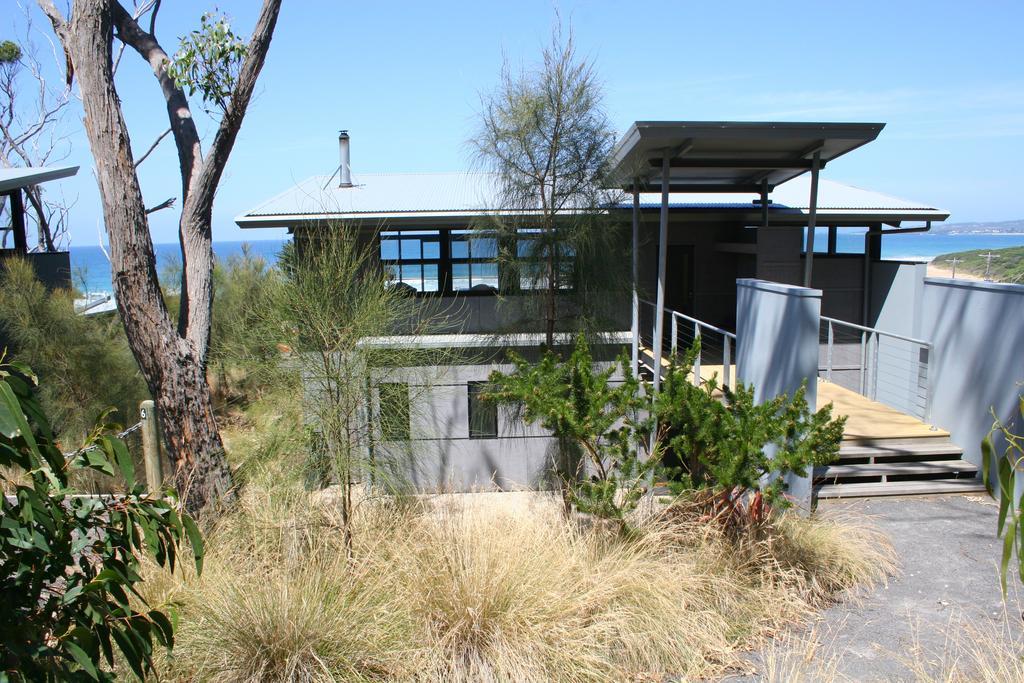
(1007, 266)
(980, 228)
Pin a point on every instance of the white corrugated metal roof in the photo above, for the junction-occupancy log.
(412, 196)
(383, 193)
(13, 178)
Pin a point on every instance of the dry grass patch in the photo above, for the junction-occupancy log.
(474, 593)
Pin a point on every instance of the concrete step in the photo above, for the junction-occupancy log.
(899, 488)
(832, 472)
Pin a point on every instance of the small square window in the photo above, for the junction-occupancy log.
(394, 411)
(483, 415)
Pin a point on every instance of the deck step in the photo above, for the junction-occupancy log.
(919, 449)
(901, 488)
(830, 472)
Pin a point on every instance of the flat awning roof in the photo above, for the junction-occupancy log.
(729, 156)
(14, 178)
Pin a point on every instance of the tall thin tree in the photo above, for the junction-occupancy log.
(172, 355)
(544, 135)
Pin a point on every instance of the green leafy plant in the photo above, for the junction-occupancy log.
(1009, 464)
(208, 61)
(607, 418)
(69, 564)
(10, 52)
(740, 450)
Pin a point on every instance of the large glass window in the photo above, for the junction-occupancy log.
(413, 258)
(463, 261)
(483, 415)
(474, 261)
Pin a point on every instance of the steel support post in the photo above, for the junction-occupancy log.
(659, 308)
(812, 217)
(636, 276)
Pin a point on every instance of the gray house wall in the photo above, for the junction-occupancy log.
(840, 277)
(978, 332)
(441, 456)
(777, 347)
(896, 291)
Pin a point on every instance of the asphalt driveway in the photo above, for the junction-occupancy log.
(949, 577)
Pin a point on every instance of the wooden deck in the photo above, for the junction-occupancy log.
(866, 420)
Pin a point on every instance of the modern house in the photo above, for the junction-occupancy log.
(53, 268)
(723, 217)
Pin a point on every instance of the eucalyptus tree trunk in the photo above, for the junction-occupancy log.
(172, 357)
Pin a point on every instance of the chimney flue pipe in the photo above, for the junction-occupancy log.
(345, 169)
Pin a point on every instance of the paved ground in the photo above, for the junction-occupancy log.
(949, 556)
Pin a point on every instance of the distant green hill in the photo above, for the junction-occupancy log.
(1009, 267)
(982, 228)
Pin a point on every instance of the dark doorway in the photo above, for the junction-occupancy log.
(679, 278)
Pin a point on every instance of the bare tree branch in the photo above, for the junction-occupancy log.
(152, 147)
(165, 204)
(186, 137)
(30, 133)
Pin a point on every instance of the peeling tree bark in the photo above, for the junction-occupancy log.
(172, 357)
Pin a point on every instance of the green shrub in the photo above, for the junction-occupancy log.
(740, 449)
(608, 421)
(244, 361)
(69, 564)
(84, 361)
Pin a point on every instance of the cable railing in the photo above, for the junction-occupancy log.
(717, 346)
(883, 366)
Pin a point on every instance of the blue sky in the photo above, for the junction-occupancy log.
(405, 79)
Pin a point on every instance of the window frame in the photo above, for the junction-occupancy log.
(508, 279)
(473, 390)
(423, 236)
(468, 235)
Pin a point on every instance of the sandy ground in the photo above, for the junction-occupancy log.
(935, 270)
(948, 587)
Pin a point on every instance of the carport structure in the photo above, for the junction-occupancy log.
(670, 157)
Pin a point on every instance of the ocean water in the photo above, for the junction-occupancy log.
(91, 270)
(920, 246)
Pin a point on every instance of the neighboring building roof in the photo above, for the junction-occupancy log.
(410, 198)
(730, 156)
(14, 178)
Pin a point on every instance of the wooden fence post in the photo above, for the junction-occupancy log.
(151, 446)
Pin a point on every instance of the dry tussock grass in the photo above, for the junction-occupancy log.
(470, 593)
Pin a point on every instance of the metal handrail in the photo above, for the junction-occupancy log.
(728, 339)
(869, 363)
(862, 328)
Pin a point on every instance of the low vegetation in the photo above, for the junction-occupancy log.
(1008, 266)
(70, 353)
(69, 562)
(443, 589)
(616, 435)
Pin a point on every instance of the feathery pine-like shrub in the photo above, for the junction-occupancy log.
(84, 362)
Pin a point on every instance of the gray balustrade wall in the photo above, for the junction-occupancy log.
(977, 329)
(777, 347)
